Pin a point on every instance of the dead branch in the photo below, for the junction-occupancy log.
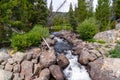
(46, 43)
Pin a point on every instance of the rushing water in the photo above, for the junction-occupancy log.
(74, 70)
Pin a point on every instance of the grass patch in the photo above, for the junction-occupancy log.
(115, 53)
(98, 41)
(62, 27)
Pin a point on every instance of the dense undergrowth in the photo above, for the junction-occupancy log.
(32, 38)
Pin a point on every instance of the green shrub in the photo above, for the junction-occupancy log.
(61, 27)
(87, 29)
(115, 53)
(33, 37)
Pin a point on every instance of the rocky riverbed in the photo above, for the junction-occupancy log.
(39, 63)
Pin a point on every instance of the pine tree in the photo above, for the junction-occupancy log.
(103, 13)
(22, 14)
(72, 20)
(81, 11)
(117, 8)
(89, 9)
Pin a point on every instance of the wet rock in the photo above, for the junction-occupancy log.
(104, 69)
(62, 61)
(77, 50)
(47, 58)
(5, 75)
(27, 69)
(16, 68)
(52, 36)
(8, 67)
(18, 57)
(85, 57)
(44, 74)
(62, 46)
(56, 72)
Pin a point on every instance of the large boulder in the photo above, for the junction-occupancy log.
(47, 58)
(104, 69)
(86, 57)
(44, 74)
(5, 75)
(108, 36)
(27, 69)
(18, 57)
(62, 61)
(4, 55)
(56, 72)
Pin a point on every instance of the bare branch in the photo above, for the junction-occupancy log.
(46, 43)
(51, 17)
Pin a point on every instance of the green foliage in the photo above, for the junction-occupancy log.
(89, 9)
(62, 27)
(87, 29)
(60, 18)
(117, 8)
(5, 34)
(103, 14)
(81, 11)
(72, 20)
(33, 37)
(23, 13)
(115, 53)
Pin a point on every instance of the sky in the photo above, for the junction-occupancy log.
(65, 8)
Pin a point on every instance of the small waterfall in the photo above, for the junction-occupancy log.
(74, 71)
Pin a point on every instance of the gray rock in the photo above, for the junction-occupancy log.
(8, 67)
(85, 57)
(6, 75)
(44, 74)
(35, 61)
(16, 68)
(47, 58)
(1, 67)
(62, 61)
(105, 69)
(37, 68)
(117, 26)
(56, 72)
(4, 55)
(29, 56)
(16, 76)
(18, 57)
(108, 36)
(27, 69)
(4, 63)
(10, 60)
